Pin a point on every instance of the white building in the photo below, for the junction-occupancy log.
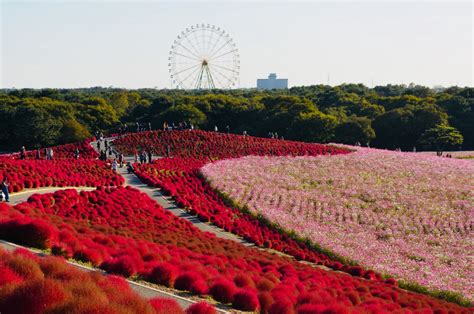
(272, 82)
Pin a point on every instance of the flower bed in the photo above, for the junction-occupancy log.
(204, 145)
(43, 173)
(65, 151)
(103, 228)
(30, 284)
(404, 214)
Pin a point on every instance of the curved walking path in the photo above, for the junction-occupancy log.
(168, 204)
(145, 291)
(22, 196)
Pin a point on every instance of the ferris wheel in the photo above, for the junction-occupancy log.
(204, 57)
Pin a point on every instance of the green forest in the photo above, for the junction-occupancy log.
(392, 116)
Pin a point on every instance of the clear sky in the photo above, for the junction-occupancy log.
(126, 44)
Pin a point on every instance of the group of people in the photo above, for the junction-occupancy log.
(144, 156)
(178, 127)
(48, 153)
(275, 135)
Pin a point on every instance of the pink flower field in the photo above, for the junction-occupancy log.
(409, 215)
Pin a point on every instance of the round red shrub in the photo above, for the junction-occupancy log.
(282, 307)
(34, 297)
(164, 274)
(166, 306)
(245, 300)
(186, 280)
(265, 300)
(223, 291)
(242, 280)
(201, 308)
(123, 265)
(199, 287)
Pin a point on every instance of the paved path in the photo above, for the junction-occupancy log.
(168, 204)
(23, 196)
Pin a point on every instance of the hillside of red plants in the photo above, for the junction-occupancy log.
(124, 232)
(32, 174)
(65, 151)
(32, 284)
(205, 145)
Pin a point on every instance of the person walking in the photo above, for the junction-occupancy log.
(38, 154)
(4, 186)
(121, 159)
(23, 152)
(51, 153)
(150, 157)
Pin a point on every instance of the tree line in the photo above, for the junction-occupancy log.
(392, 116)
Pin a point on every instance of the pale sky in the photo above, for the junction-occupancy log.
(126, 44)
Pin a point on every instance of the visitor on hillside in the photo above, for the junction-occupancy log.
(38, 154)
(121, 160)
(191, 126)
(136, 156)
(4, 186)
(227, 129)
(149, 126)
(150, 157)
(114, 166)
(244, 133)
(50, 153)
(76, 154)
(215, 128)
(282, 138)
(165, 126)
(23, 152)
(142, 157)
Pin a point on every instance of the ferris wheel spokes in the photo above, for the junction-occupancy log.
(204, 57)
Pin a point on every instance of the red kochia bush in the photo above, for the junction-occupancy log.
(186, 280)
(164, 274)
(64, 289)
(29, 232)
(166, 306)
(201, 308)
(245, 300)
(123, 265)
(223, 291)
(34, 297)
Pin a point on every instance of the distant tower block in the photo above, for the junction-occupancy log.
(272, 82)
